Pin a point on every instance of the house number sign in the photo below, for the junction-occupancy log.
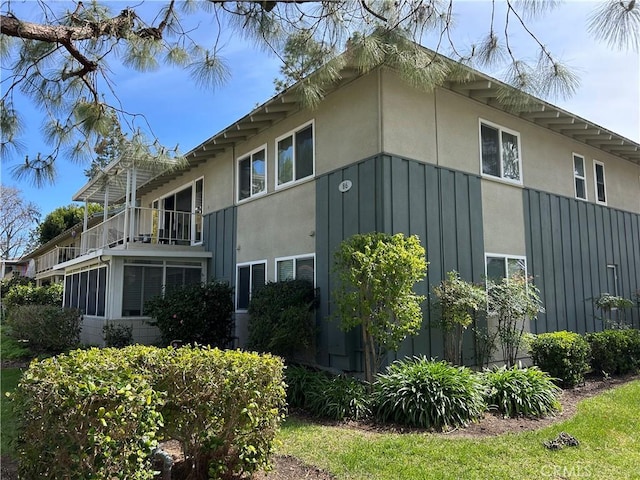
(345, 186)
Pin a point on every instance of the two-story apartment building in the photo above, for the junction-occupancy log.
(489, 190)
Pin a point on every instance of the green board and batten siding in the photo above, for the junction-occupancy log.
(394, 195)
(220, 238)
(569, 245)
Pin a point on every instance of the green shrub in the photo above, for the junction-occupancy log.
(426, 393)
(281, 318)
(46, 328)
(615, 352)
(521, 391)
(300, 380)
(224, 407)
(336, 397)
(97, 413)
(117, 335)
(194, 314)
(28, 294)
(86, 416)
(563, 355)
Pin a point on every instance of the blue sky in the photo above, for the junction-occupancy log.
(182, 114)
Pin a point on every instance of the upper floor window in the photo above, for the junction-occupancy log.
(500, 152)
(579, 179)
(299, 267)
(250, 277)
(252, 174)
(598, 170)
(295, 155)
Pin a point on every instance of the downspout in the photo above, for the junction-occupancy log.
(380, 110)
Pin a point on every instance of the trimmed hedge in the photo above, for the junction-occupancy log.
(563, 355)
(615, 352)
(47, 328)
(98, 414)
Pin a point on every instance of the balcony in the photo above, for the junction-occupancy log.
(144, 226)
(48, 261)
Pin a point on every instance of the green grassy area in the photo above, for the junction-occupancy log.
(9, 378)
(608, 427)
(11, 349)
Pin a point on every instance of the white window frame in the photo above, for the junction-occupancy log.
(614, 269)
(250, 156)
(505, 257)
(292, 133)
(500, 129)
(595, 182)
(249, 264)
(305, 256)
(577, 177)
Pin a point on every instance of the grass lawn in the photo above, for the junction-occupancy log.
(8, 381)
(607, 426)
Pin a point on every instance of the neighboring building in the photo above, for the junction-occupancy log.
(13, 267)
(488, 189)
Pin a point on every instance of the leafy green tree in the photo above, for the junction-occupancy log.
(458, 301)
(513, 301)
(58, 54)
(62, 219)
(377, 273)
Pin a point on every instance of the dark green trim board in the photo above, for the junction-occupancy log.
(220, 238)
(395, 195)
(569, 245)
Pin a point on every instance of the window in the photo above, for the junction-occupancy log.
(612, 280)
(500, 152)
(295, 156)
(250, 277)
(598, 170)
(499, 266)
(291, 268)
(252, 174)
(144, 280)
(580, 182)
(177, 218)
(86, 291)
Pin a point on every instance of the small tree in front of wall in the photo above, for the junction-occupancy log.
(377, 273)
(513, 300)
(457, 301)
(608, 304)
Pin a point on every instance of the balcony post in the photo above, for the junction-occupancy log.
(105, 208)
(127, 204)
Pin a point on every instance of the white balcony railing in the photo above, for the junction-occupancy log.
(146, 225)
(49, 260)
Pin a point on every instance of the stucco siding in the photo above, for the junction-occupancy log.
(502, 213)
(279, 224)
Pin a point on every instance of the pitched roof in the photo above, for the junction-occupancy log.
(476, 86)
